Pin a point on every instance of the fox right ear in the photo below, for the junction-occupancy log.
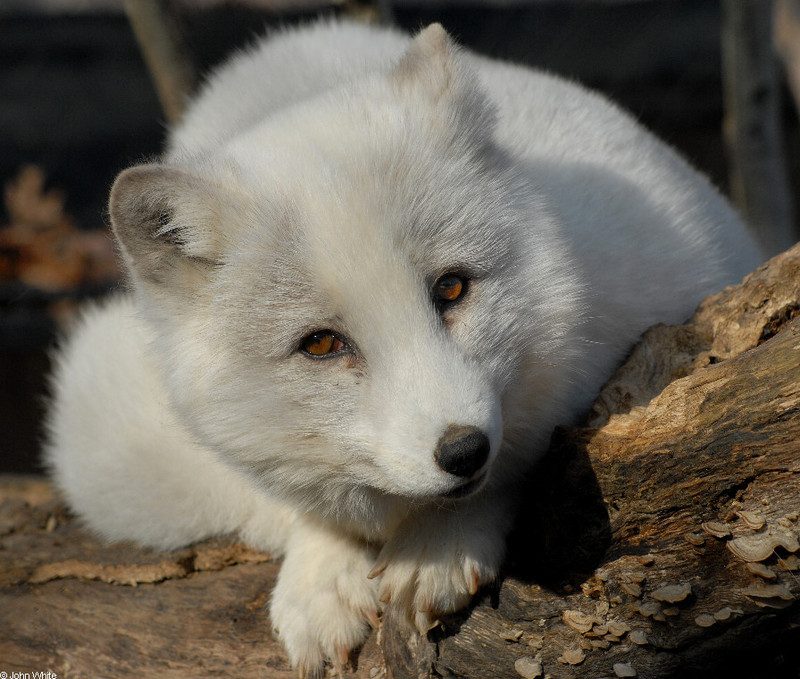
(166, 223)
(433, 65)
(429, 61)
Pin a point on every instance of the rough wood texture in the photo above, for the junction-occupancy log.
(660, 540)
(84, 610)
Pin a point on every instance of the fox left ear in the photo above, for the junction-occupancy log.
(167, 222)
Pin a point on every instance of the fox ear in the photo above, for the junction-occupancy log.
(433, 65)
(429, 61)
(167, 224)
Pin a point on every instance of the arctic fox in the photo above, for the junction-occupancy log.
(367, 278)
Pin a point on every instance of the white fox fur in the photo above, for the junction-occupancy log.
(326, 179)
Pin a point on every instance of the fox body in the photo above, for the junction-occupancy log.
(367, 278)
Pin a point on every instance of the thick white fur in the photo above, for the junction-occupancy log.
(325, 179)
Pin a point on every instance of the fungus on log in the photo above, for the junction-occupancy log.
(659, 541)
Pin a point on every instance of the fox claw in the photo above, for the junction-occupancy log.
(473, 581)
(426, 621)
(372, 618)
(378, 568)
(342, 657)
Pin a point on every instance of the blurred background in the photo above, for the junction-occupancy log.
(77, 105)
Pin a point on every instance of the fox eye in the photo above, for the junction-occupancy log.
(323, 343)
(449, 289)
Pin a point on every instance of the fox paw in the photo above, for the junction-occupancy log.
(323, 605)
(430, 572)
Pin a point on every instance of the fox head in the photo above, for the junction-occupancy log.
(357, 301)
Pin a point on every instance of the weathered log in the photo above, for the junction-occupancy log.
(661, 539)
(80, 609)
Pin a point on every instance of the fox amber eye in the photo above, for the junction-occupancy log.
(323, 343)
(449, 288)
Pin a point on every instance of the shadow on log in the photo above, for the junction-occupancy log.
(660, 541)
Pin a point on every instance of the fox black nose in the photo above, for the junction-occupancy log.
(462, 450)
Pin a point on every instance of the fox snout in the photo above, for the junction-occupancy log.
(462, 450)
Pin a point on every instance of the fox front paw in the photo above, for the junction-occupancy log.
(323, 605)
(431, 572)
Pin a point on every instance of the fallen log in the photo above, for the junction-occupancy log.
(661, 540)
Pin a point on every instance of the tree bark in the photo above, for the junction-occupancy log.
(163, 51)
(752, 127)
(660, 539)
